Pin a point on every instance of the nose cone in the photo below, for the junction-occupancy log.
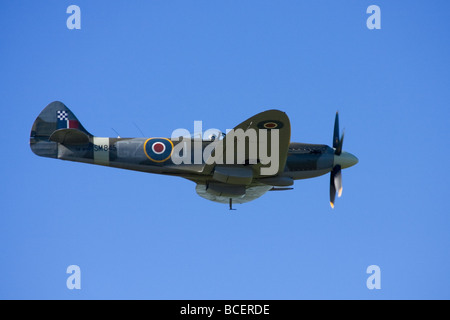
(345, 160)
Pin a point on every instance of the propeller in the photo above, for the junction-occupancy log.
(336, 176)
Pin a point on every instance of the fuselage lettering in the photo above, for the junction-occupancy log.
(104, 147)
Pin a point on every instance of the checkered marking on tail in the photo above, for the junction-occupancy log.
(61, 115)
(63, 122)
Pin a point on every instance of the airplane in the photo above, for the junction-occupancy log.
(57, 133)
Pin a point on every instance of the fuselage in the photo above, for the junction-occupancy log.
(304, 160)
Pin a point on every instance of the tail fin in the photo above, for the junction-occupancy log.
(56, 124)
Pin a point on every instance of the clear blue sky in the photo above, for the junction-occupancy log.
(164, 64)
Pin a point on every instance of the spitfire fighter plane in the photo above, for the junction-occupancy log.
(236, 174)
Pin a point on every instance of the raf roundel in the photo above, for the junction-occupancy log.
(270, 124)
(158, 149)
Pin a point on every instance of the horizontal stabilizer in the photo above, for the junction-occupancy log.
(69, 137)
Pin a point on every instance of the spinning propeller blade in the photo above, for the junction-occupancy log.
(335, 175)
